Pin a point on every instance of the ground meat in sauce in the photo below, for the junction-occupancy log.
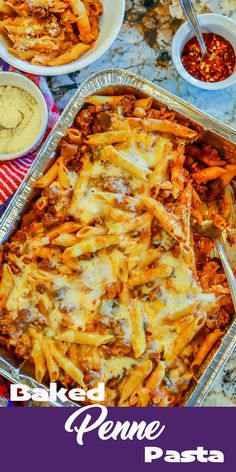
(83, 120)
(102, 122)
(121, 347)
(46, 264)
(19, 236)
(49, 221)
(52, 193)
(218, 320)
(128, 104)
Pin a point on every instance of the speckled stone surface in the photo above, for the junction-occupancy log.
(144, 47)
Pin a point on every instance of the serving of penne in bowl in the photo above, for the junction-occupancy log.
(104, 279)
(57, 36)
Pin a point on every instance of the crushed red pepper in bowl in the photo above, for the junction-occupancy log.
(216, 67)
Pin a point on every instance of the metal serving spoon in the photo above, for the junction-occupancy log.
(208, 230)
(191, 16)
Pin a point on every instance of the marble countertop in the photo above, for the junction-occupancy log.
(144, 47)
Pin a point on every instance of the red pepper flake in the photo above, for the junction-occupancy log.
(218, 67)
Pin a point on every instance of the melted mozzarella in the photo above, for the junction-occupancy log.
(117, 366)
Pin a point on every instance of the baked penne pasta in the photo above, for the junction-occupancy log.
(105, 279)
(74, 28)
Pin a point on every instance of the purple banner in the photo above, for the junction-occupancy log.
(50, 439)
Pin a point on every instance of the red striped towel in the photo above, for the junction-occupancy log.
(12, 172)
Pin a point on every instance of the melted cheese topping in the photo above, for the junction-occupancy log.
(93, 293)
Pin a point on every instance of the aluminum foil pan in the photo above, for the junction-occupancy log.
(114, 81)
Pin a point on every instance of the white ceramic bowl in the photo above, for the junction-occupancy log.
(110, 24)
(210, 23)
(20, 81)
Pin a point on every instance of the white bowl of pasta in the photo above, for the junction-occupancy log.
(60, 38)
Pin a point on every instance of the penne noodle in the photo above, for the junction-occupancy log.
(144, 103)
(104, 100)
(109, 137)
(74, 135)
(63, 176)
(70, 55)
(138, 339)
(110, 154)
(52, 365)
(197, 215)
(156, 377)
(89, 231)
(47, 178)
(68, 150)
(165, 219)
(7, 284)
(195, 198)
(209, 173)
(177, 171)
(127, 202)
(39, 359)
(82, 180)
(150, 256)
(188, 329)
(83, 21)
(132, 224)
(6, 9)
(41, 203)
(44, 252)
(134, 380)
(68, 227)
(162, 271)
(208, 343)
(166, 126)
(141, 397)
(120, 215)
(92, 244)
(81, 337)
(68, 366)
(65, 240)
(230, 173)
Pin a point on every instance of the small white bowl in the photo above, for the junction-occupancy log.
(210, 23)
(110, 24)
(20, 81)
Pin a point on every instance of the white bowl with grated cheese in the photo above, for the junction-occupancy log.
(23, 116)
(110, 24)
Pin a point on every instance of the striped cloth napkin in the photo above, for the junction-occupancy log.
(12, 173)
